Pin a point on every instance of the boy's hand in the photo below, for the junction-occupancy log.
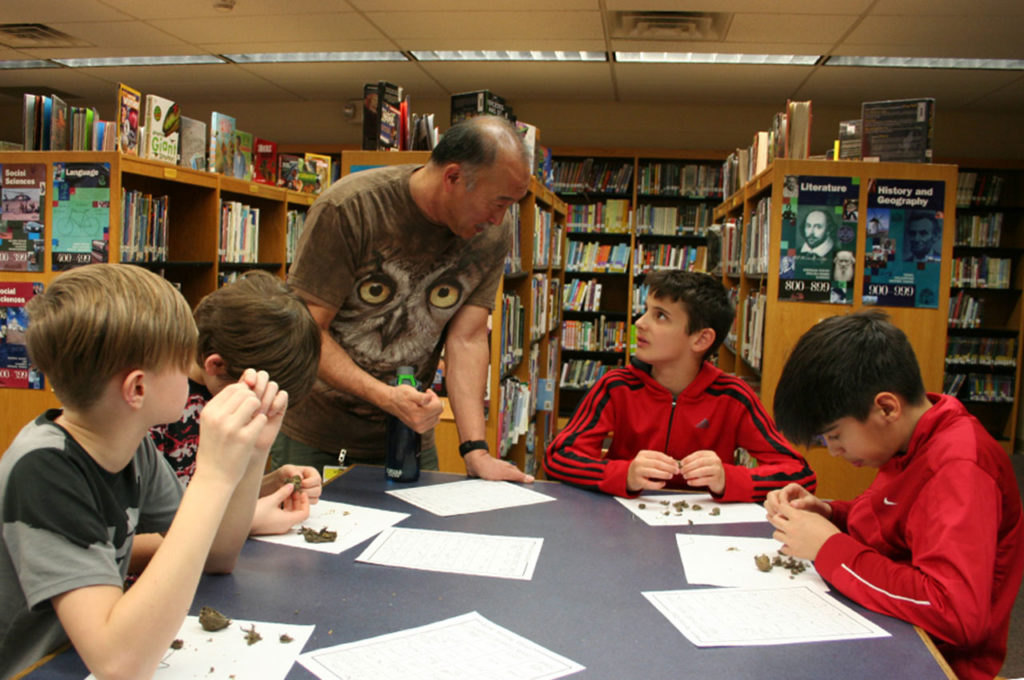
(228, 427)
(801, 532)
(312, 485)
(704, 468)
(650, 470)
(279, 512)
(797, 497)
(273, 404)
(419, 410)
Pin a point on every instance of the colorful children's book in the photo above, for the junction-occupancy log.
(163, 123)
(298, 174)
(129, 101)
(222, 143)
(192, 144)
(242, 161)
(58, 124)
(264, 168)
(321, 165)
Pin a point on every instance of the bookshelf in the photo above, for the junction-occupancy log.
(525, 328)
(190, 257)
(629, 212)
(767, 327)
(983, 351)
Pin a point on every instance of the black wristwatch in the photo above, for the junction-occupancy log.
(472, 445)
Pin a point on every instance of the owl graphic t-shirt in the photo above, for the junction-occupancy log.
(397, 279)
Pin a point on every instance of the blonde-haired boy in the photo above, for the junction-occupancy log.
(77, 483)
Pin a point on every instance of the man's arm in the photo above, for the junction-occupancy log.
(467, 355)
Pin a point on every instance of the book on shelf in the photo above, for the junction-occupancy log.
(58, 124)
(530, 137)
(779, 133)
(192, 144)
(241, 162)
(478, 103)
(222, 134)
(297, 174)
(849, 140)
(321, 166)
(382, 110)
(898, 130)
(798, 126)
(163, 125)
(264, 161)
(129, 104)
(759, 150)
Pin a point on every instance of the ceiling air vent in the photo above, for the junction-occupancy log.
(36, 35)
(690, 26)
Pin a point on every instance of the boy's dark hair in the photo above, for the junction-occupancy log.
(260, 322)
(836, 369)
(703, 297)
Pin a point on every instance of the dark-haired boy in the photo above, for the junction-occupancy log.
(674, 419)
(938, 537)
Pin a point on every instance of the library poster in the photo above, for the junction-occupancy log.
(81, 214)
(15, 370)
(819, 239)
(23, 190)
(904, 225)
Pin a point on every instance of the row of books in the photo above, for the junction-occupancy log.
(296, 222)
(984, 351)
(513, 412)
(593, 256)
(651, 256)
(144, 221)
(981, 271)
(983, 387)
(676, 178)
(757, 237)
(611, 216)
(681, 220)
(513, 331)
(581, 374)
(979, 231)
(592, 175)
(547, 238)
(788, 136)
(514, 256)
(732, 244)
(978, 189)
(638, 303)
(51, 124)
(965, 311)
(594, 336)
(752, 342)
(581, 296)
(540, 321)
(239, 232)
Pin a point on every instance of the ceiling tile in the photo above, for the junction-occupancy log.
(526, 80)
(488, 25)
(148, 9)
(783, 28)
(313, 27)
(708, 83)
(960, 36)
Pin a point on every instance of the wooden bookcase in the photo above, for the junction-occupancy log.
(194, 212)
(534, 362)
(653, 205)
(783, 322)
(984, 353)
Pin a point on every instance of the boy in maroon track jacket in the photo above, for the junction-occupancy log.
(938, 537)
(676, 420)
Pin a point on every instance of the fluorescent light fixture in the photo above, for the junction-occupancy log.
(929, 62)
(507, 55)
(169, 60)
(310, 57)
(28, 63)
(716, 58)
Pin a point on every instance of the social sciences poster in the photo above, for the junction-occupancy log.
(23, 189)
(15, 370)
(81, 214)
(904, 225)
(819, 239)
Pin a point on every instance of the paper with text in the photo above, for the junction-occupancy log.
(729, 561)
(470, 495)
(660, 510)
(225, 654)
(736, 617)
(455, 552)
(353, 523)
(466, 647)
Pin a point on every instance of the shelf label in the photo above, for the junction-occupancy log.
(170, 173)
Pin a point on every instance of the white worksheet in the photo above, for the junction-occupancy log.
(455, 552)
(732, 617)
(225, 654)
(729, 561)
(667, 510)
(469, 495)
(466, 647)
(354, 524)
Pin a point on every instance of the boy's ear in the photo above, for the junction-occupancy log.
(705, 338)
(889, 404)
(215, 365)
(133, 389)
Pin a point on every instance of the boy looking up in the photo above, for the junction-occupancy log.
(938, 538)
(674, 419)
(255, 322)
(77, 483)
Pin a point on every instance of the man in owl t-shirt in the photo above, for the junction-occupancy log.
(396, 263)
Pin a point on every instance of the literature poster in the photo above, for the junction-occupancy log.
(81, 214)
(904, 243)
(22, 243)
(15, 370)
(819, 239)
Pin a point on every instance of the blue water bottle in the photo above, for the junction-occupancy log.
(403, 459)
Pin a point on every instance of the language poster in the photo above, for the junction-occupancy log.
(23, 190)
(15, 370)
(904, 243)
(819, 239)
(81, 214)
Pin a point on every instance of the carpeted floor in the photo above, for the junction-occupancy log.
(1014, 665)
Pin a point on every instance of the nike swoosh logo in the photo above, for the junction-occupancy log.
(888, 502)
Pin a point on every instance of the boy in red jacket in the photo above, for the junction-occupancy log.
(674, 419)
(938, 537)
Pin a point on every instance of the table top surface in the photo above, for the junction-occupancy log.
(583, 602)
